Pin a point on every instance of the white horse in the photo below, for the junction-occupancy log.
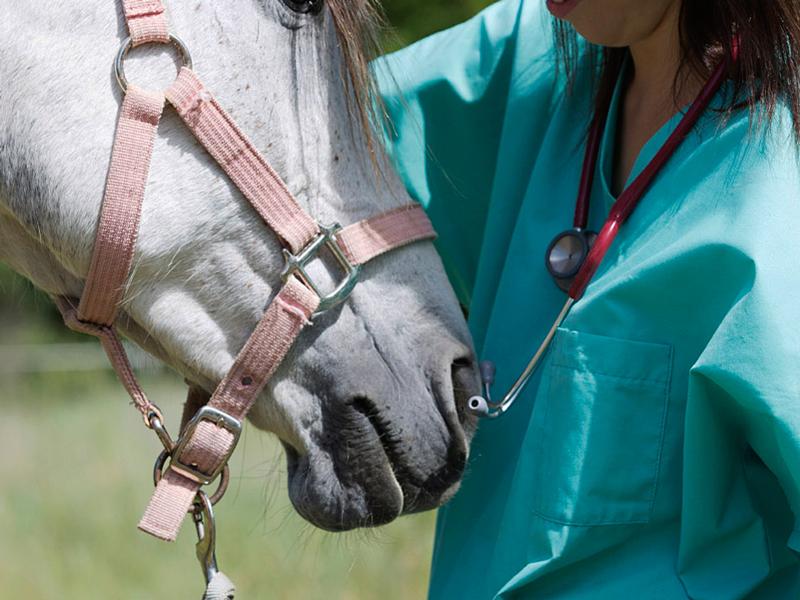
(369, 405)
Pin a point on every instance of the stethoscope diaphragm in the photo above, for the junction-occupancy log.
(566, 254)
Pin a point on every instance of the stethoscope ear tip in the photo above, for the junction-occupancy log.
(478, 406)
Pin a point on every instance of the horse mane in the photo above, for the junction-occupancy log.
(359, 25)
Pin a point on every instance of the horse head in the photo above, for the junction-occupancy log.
(370, 404)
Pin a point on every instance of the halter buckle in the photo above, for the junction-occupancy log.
(297, 263)
(218, 418)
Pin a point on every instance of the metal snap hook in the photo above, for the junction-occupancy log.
(203, 517)
(218, 586)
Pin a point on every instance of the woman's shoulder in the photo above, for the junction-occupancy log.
(746, 190)
(508, 35)
(758, 156)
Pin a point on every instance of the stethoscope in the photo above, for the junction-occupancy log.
(574, 256)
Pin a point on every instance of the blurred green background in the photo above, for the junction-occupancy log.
(75, 462)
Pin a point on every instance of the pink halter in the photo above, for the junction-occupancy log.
(209, 437)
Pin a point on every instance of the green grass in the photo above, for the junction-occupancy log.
(413, 19)
(75, 465)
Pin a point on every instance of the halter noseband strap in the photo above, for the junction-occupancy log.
(209, 438)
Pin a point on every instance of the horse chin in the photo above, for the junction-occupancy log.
(331, 500)
(425, 502)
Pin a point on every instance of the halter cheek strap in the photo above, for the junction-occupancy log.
(209, 438)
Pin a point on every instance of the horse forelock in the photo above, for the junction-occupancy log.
(359, 24)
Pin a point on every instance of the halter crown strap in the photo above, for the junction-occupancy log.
(147, 21)
(211, 435)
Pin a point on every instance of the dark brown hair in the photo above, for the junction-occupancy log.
(768, 69)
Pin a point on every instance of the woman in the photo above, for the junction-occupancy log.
(656, 454)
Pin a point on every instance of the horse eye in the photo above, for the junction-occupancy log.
(304, 6)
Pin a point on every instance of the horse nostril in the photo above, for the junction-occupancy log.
(464, 361)
(465, 380)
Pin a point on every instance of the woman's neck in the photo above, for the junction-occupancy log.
(651, 97)
(655, 60)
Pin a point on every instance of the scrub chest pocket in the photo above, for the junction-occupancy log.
(600, 414)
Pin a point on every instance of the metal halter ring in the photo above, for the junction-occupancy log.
(225, 477)
(127, 45)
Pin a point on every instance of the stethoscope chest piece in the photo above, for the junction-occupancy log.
(566, 254)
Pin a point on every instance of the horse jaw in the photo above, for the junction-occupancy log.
(365, 402)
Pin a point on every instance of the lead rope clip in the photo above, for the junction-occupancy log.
(218, 586)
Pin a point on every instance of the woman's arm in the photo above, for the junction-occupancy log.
(742, 428)
(447, 97)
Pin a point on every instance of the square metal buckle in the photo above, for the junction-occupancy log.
(297, 263)
(218, 418)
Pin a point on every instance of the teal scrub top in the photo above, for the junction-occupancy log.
(657, 452)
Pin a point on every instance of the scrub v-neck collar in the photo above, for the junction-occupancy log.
(609, 140)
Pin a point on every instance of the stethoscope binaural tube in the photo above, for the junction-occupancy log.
(483, 406)
(585, 249)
